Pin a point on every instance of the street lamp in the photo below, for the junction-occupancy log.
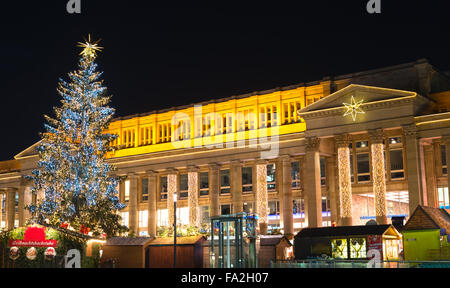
(175, 230)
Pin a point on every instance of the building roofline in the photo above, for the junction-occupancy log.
(282, 88)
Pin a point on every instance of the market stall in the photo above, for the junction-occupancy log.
(348, 242)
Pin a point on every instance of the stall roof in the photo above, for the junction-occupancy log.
(428, 218)
(128, 241)
(272, 240)
(167, 241)
(346, 231)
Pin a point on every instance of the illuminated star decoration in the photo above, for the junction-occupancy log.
(90, 48)
(353, 108)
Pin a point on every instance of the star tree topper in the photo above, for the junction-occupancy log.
(354, 108)
(90, 48)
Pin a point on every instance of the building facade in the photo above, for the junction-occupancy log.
(346, 149)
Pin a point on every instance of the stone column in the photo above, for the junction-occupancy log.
(133, 212)
(28, 200)
(313, 189)
(10, 208)
(21, 206)
(1, 210)
(331, 182)
(378, 175)
(172, 187)
(430, 174)
(413, 170)
(193, 191)
(236, 186)
(285, 188)
(261, 195)
(345, 182)
(214, 189)
(152, 202)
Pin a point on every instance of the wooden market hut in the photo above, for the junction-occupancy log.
(347, 242)
(189, 252)
(126, 252)
(274, 248)
(426, 235)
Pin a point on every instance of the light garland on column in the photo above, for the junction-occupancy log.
(345, 183)
(379, 179)
(193, 198)
(261, 193)
(171, 189)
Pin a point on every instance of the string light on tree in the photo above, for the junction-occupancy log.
(354, 108)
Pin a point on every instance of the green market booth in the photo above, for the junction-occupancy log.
(348, 242)
(39, 246)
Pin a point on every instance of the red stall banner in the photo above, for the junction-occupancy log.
(33, 237)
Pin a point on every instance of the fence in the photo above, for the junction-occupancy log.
(313, 263)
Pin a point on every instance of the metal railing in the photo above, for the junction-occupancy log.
(333, 263)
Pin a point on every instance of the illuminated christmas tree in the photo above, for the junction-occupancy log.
(73, 174)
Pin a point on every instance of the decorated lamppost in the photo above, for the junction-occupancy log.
(175, 230)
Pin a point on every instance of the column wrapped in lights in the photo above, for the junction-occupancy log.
(345, 182)
(193, 191)
(171, 190)
(261, 196)
(378, 175)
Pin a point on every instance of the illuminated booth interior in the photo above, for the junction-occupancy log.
(348, 242)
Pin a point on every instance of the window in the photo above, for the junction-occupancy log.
(163, 217)
(204, 184)
(290, 112)
(325, 206)
(443, 197)
(126, 194)
(358, 248)
(323, 179)
(268, 116)
(339, 248)
(247, 179)
(362, 144)
(183, 215)
(144, 196)
(274, 208)
(225, 209)
(124, 218)
(248, 207)
(146, 136)
(184, 186)
(163, 187)
(165, 132)
(246, 120)
(204, 215)
(295, 174)
(444, 160)
(299, 208)
(128, 138)
(225, 181)
(396, 159)
(351, 167)
(271, 177)
(363, 167)
(182, 130)
(207, 125)
(143, 218)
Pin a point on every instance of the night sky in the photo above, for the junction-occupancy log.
(163, 55)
